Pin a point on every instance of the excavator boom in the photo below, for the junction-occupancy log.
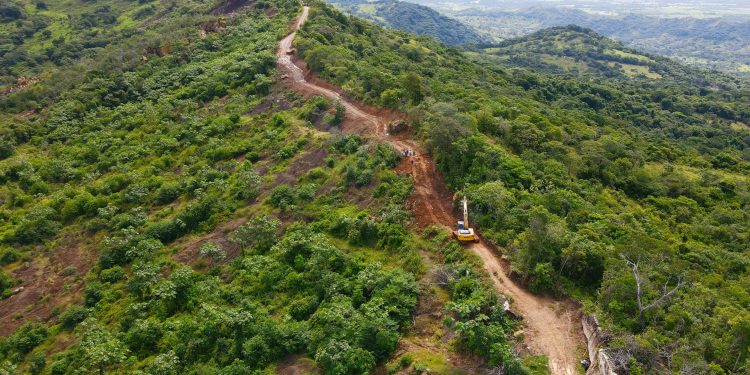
(464, 233)
(466, 211)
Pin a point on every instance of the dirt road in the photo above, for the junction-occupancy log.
(551, 328)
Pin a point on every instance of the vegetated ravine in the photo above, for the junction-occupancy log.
(551, 327)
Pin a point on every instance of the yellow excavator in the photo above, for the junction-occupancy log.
(464, 233)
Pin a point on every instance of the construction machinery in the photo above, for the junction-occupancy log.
(464, 233)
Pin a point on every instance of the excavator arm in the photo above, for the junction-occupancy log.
(465, 233)
(466, 211)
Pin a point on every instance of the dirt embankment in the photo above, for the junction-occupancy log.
(551, 327)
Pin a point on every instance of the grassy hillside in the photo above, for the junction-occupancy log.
(412, 18)
(587, 181)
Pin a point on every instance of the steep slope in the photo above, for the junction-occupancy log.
(164, 201)
(413, 18)
(551, 328)
(168, 208)
(594, 185)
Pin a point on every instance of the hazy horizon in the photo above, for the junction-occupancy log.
(663, 8)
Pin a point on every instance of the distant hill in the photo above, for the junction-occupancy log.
(581, 51)
(720, 43)
(413, 18)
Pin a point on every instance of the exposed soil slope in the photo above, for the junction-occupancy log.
(552, 328)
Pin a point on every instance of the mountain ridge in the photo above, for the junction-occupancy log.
(413, 18)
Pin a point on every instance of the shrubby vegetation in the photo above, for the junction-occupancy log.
(37, 39)
(137, 160)
(593, 185)
(587, 182)
(475, 312)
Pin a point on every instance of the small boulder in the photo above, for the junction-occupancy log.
(397, 126)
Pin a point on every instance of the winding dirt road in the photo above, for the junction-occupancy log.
(551, 327)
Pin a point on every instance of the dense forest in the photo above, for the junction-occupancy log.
(627, 191)
(413, 18)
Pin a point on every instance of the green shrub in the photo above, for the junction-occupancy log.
(346, 144)
(6, 282)
(168, 192)
(72, 316)
(112, 275)
(212, 250)
(8, 256)
(246, 183)
(27, 337)
(93, 294)
(37, 363)
(282, 197)
(302, 308)
(543, 278)
(38, 225)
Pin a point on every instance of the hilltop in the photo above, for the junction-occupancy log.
(580, 52)
(708, 42)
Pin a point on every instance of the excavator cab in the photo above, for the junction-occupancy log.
(463, 232)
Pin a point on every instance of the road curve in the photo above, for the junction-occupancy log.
(550, 327)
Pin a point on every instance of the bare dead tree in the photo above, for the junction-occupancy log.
(443, 275)
(666, 354)
(639, 281)
(693, 368)
(619, 359)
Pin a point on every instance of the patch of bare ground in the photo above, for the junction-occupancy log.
(229, 7)
(269, 11)
(297, 365)
(301, 165)
(50, 279)
(277, 101)
(156, 17)
(189, 249)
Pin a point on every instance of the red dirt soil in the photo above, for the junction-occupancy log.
(231, 6)
(552, 328)
(48, 280)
